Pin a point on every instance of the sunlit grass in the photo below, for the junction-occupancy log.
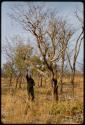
(43, 110)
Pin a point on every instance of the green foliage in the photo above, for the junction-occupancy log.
(7, 69)
(36, 60)
(22, 56)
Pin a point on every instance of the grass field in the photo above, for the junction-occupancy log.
(17, 108)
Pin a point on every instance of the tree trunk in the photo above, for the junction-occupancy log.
(72, 81)
(41, 81)
(10, 84)
(61, 82)
(20, 82)
(55, 89)
(17, 79)
(62, 68)
(45, 81)
(10, 81)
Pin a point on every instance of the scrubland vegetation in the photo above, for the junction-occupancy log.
(53, 56)
(16, 108)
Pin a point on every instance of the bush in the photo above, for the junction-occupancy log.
(67, 108)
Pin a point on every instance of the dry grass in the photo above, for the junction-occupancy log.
(43, 109)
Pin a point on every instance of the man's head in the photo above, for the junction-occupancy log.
(29, 72)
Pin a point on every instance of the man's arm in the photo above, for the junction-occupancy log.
(33, 82)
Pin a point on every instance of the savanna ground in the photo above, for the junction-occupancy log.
(16, 108)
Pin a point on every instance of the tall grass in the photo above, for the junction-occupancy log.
(43, 110)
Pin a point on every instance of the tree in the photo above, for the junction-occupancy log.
(8, 72)
(46, 27)
(64, 38)
(9, 69)
(76, 50)
(37, 65)
(17, 55)
(22, 57)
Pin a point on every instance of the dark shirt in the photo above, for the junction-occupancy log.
(30, 81)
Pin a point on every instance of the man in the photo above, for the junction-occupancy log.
(30, 84)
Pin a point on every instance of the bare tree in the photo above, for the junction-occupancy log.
(8, 51)
(48, 30)
(76, 50)
(65, 37)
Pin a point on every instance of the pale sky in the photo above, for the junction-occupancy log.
(11, 28)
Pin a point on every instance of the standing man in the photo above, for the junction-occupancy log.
(30, 84)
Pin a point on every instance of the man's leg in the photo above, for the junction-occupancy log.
(32, 93)
(28, 92)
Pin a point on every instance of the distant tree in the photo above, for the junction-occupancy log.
(8, 49)
(8, 72)
(76, 50)
(22, 57)
(17, 55)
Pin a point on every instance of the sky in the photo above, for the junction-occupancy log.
(11, 28)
